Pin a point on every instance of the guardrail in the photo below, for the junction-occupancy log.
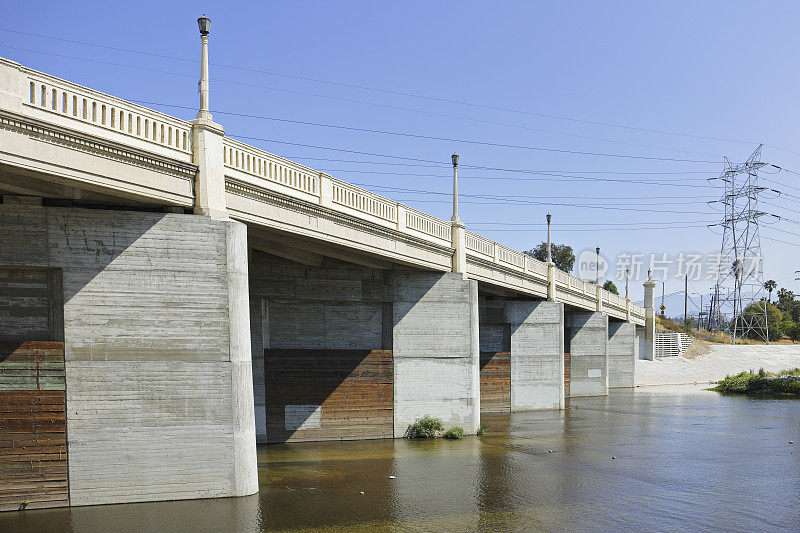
(78, 103)
(269, 167)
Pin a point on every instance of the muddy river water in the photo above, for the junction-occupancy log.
(654, 459)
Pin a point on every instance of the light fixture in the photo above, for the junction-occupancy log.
(204, 23)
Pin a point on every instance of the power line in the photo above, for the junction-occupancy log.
(590, 225)
(350, 100)
(346, 150)
(625, 199)
(556, 177)
(433, 137)
(445, 165)
(660, 228)
(511, 200)
(390, 91)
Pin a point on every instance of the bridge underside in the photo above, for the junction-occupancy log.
(169, 295)
(163, 344)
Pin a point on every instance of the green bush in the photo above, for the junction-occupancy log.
(426, 427)
(482, 430)
(763, 382)
(455, 433)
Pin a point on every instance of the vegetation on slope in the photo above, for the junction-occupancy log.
(762, 382)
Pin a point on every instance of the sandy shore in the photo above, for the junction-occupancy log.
(715, 365)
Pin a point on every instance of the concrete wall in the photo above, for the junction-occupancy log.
(435, 348)
(537, 355)
(621, 354)
(330, 305)
(588, 332)
(337, 305)
(259, 337)
(156, 331)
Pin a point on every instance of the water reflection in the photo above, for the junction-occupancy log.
(658, 459)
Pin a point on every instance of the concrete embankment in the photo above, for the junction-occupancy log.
(715, 365)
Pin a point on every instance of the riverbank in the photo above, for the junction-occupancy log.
(786, 382)
(720, 361)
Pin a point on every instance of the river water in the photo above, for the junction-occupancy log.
(656, 459)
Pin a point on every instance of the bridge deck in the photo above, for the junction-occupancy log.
(54, 133)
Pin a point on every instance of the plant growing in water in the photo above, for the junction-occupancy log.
(455, 433)
(482, 430)
(426, 427)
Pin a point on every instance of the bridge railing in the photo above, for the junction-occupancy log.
(76, 106)
(261, 168)
(428, 225)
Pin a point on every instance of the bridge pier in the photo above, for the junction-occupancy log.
(587, 336)
(352, 351)
(150, 311)
(322, 350)
(522, 355)
(537, 355)
(621, 353)
(435, 343)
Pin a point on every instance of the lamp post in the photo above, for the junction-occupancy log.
(627, 278)
(204, 24)
(457, 228)
(597, 266)
(549, 245)
(454, 158)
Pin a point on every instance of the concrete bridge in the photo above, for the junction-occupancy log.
(169, 296)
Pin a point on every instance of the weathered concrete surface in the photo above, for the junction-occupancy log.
(537, 355)
(588, 333)
(723, 359)
(159, 385)
(621, 353)
(435, 348)
(337, 305)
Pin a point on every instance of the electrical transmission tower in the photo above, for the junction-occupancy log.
(740, 273)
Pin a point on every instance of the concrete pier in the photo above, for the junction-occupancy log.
(159, 398)
(621, 354)
(522, 351)
(587, 333)
(537, 355)
(435, 347)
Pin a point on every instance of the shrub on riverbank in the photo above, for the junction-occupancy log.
(761, 382)
(429, 427)
(426, 427)
(455, 433)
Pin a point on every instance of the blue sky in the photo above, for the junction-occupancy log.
(555, 78)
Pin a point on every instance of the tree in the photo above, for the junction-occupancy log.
(770, 285)
(785, 296)
(610, 287)
(563, 255)
(793, 331)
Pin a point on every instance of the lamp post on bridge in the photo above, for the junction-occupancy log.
(598, 288)
(627, 295)
(457, 228)
(207, 144)
(650, 317)
(204, 24)
(551, 267)
(597, 266)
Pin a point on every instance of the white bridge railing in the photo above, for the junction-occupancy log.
(70, 101)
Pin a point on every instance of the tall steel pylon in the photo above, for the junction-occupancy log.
(740, 273)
